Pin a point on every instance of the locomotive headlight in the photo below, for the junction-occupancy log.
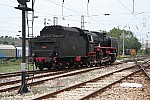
(33, 54)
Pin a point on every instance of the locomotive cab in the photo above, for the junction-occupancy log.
(105, 48)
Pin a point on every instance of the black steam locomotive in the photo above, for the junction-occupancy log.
(61, 47)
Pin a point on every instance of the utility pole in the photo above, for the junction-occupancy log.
(44, 21)
(23, 6)
(123, 41)
(55, 20)
(82, 22)
(133, 6)
(123, 44)
(146, 42)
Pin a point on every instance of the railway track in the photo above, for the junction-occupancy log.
(90, 87)
(52, 81)
(7, 76)
(66, 75)
(31, 78)
(13, 74)
(134, 87)
(143, 68)
(44, 80)
(5, 86)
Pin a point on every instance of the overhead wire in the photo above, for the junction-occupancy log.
(145, 20)
(5, 5)
(87, 11)
(103, 14)
(91, 6)
(76, 12)
(112, 14)
(7, 16)
(149, 15)
(135, 17)
(8, 31)
(7, 22)
(129, 10)
(73, 10)
(63, 7)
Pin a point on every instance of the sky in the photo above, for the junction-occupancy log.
(98, 15)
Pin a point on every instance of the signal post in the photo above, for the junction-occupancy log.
(23, 6)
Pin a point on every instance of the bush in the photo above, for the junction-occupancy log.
(13, 60)
(147, 51)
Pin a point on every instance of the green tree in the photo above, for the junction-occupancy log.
(147, 51)
(6, 37)
(12, 43)
(5, 42)
(130, 42)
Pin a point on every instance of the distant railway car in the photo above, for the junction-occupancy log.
(7, 51)
(127, 52)
(130, 52)
(19, 51)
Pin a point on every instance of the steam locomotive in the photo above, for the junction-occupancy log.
(71, 47)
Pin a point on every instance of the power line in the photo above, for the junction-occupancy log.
(6, 5)
(90, 6)
(64, 7)
(129, 11)
(149, 15)
(121, 19)
(74, 11)
(10, 17)
(98, 22)
(125, 13)
(8, 31)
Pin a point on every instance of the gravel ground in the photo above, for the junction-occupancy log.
(118, 92)
(58, 84)
(90, 87)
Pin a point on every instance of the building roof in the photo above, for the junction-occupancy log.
(3, 46)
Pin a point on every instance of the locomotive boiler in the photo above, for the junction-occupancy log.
(71, 47)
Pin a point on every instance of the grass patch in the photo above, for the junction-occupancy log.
(7, 69)
(12, 65)
(125, 57)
